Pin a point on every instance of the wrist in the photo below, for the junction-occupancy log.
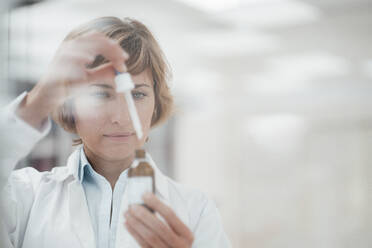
(34, 109)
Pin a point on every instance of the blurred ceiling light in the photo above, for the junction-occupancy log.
(298, 71)
(277, 133)
(232, 42)
(258, 13)
(271, 14)
(212, 5)
(42, 18)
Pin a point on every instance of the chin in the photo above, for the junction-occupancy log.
(118, 152)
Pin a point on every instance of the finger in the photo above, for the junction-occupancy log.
(94, 35)
(152, 222)
(76, 55)
(110, 49)
(136, 236)
(168, 214)
(105, 72)
(148, 235)
(70, 66)
(71, 72)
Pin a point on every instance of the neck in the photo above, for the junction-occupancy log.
(109, 169)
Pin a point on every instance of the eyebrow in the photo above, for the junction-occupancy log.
(106, 86)
(140, 85)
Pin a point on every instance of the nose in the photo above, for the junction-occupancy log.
(119, 112)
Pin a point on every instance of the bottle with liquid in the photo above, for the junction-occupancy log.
(141, 178)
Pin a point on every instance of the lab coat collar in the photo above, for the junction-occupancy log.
(79, 215)
(161, 183)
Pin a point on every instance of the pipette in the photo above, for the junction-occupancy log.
(125, 85)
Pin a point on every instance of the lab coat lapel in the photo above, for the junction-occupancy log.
(78, 208)
(79, 215)
(123, 238)
(163, 193)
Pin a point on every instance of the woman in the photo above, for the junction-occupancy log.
(84, 204)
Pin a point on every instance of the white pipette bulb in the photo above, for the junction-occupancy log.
(125, 85)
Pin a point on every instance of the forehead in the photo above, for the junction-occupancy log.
(143, 78)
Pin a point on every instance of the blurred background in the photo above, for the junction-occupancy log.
(274, 108)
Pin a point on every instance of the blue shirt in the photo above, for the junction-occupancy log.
(101, 201)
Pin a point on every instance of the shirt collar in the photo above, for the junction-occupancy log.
(78, 158)
(82, 163)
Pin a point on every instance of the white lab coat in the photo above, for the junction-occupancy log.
(49, 209)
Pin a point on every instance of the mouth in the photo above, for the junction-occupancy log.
(119, 136)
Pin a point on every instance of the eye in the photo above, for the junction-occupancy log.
(138, 95)
(101, 94)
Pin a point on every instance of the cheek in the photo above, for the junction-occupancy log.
(145, 112)
(89, 120)
(89, 109)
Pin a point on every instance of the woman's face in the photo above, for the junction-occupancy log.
(103, 121)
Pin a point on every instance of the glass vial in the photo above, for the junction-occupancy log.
(141, 178)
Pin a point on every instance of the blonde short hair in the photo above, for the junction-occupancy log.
(144, 53)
